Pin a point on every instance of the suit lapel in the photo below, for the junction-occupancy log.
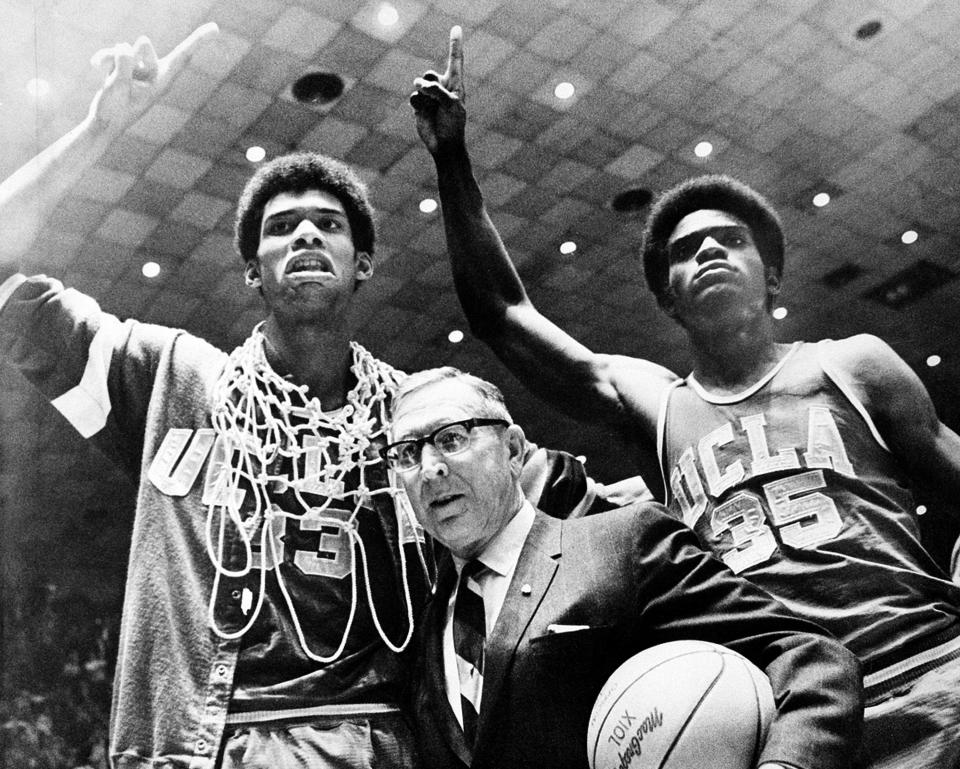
(535, 570)
(444, 717)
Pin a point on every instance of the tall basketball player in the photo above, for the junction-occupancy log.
(273, 581)
(791, 461)
(275, 572)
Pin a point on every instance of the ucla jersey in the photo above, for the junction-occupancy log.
(339, 591)
(791, 485)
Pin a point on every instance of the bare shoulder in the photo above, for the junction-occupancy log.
(866, 359)
(889, 388)
(861, 347)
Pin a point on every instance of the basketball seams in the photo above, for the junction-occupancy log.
(626, 689)
(712, 692)
(694, 709)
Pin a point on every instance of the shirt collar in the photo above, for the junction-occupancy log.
(503, 551)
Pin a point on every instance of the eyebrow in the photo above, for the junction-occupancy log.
(423, 434)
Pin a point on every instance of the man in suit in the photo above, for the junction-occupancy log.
(558, 605)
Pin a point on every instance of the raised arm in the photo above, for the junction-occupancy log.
(134, 79)
(619, 390)
(902, 410)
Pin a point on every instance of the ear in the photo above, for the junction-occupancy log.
(251, 273)
(516, 445)
(364, 263)
(773, 281)
(668, 303)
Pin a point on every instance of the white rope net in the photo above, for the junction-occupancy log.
(278, 439)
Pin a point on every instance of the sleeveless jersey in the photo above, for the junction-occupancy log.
(790, 483)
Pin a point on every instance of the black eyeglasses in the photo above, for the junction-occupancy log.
(448, 440)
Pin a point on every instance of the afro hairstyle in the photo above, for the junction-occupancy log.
(718, 192)
(298, 172)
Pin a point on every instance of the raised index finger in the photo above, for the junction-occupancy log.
(454, 74)
(177, 59)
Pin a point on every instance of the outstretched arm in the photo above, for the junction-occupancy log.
(618, 390)
(134, 79)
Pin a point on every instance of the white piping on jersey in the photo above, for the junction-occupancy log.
(87, 405)
(318, 711)
(844, 387)
(828, 369)
(662, 434)
(721, 400)
(10, 285)
(904, 666)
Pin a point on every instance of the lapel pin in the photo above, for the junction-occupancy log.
(526, 589)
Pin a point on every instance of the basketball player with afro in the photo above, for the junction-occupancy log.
(275, 570)
(793, 462)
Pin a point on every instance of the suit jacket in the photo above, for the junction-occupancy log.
(637, 578)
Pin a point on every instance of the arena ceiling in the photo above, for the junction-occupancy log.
(857, 98)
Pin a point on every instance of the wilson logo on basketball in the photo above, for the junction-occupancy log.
(625, 729)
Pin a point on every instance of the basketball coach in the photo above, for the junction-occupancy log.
(532, 614)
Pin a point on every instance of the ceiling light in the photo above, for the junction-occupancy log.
(428, 205)
(821, 199)
(387, 15)
(455, 336)
(568, 247)
(780, 313)
(256, 154)
(564, 90)
(703, 149)
(38, 88)
(934, 360)
(150, 269)
(910, 236)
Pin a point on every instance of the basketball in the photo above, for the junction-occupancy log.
(681, 705)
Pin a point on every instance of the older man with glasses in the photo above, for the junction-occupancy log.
(496, 684)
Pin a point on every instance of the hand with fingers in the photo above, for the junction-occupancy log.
(438, 102)
(135, 78)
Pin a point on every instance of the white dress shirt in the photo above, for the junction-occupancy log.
(500, 556)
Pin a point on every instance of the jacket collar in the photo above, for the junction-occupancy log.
(535, 571)
(536, 568)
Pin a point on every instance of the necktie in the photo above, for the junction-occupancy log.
(469, 633)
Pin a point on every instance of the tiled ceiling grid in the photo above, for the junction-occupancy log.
(791, 100)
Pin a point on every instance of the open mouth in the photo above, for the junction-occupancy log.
(309, 262)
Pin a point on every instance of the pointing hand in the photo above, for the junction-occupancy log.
(438, 101)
